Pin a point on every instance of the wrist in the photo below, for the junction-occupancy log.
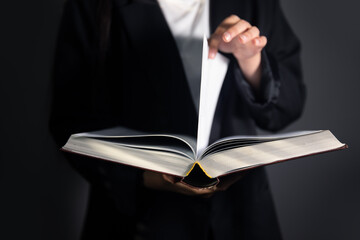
(251, 69)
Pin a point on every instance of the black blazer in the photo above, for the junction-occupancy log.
(142, 85)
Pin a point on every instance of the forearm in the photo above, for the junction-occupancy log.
(280, 98)
(251, 68)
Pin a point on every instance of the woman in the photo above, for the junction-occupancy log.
(122, 62)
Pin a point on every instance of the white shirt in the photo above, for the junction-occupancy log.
(188, 21)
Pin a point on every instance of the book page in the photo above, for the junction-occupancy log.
(155, 160)
(213, 72)
(245, 140)
(161, 141)
(235, 159)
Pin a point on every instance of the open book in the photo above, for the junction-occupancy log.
(192, 159)
(177, 155)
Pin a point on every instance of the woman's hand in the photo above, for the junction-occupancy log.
(165, 182)
(237, 36)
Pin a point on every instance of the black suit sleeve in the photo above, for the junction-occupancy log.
(281, 98)
(73, 73)
(73, 103)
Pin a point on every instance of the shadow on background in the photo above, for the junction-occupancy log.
(41, 197)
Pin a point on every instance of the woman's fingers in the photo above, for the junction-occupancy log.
(165, 182)
(170, 179)
(192, 191)
(215, 41)
(217, 37)
(173, 184)
(260, 42)
(241, 26)
(248, 35)
(236, 36)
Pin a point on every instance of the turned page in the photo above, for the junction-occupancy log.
(213, 72)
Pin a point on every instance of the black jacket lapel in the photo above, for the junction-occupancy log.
(151, 37)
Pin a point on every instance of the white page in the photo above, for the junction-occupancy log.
(123, 132)
(212, 77)
(160, 161)
(268, 152)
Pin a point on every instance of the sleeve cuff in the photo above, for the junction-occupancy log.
(269, 85)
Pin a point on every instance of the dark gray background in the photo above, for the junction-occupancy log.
(318, 197)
